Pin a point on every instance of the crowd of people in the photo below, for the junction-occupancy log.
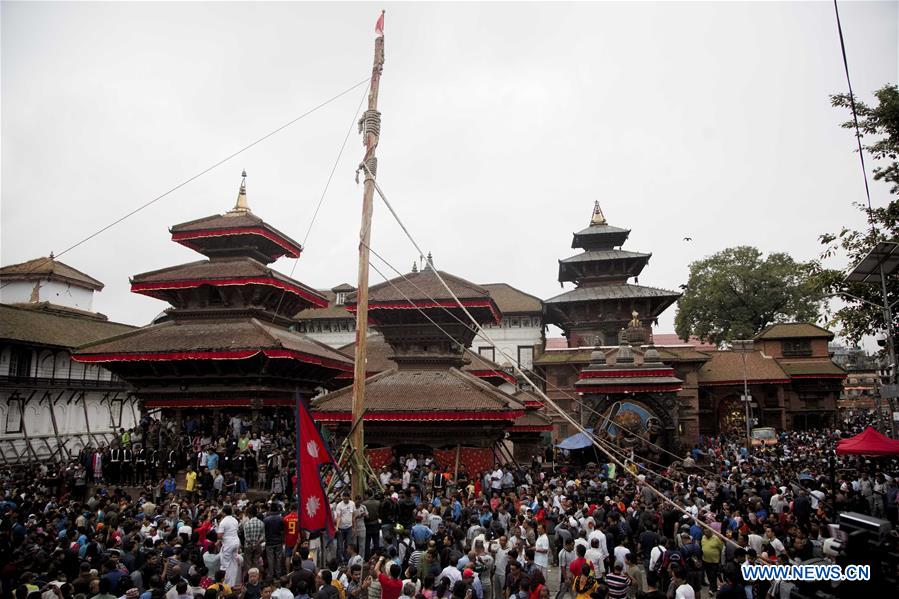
(586, 529)
(228, 454)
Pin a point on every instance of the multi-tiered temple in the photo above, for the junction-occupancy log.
(427, 400)
(225, 340)
(603, 301)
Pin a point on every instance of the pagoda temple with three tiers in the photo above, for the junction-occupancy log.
(603, 301)
(225, 341)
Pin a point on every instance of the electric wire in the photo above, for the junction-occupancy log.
(565, 416)
(619, 451)
(321, 199)
(858, 135)
(605, 419)
(36, 267)
(606, 449)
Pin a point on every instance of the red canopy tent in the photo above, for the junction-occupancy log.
(868, 442)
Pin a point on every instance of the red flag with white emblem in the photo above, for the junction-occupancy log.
(313, 509)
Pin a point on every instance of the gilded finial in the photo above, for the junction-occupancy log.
(241, 206)
(598, 218)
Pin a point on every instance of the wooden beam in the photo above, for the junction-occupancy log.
(50, 404)
(87, 424)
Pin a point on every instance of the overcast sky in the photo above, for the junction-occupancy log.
(502, 123)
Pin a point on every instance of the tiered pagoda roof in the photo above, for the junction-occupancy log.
(428, 381)
(238, 232)
(626, 376)
(603, 299)
(405, 310)
(225, 340)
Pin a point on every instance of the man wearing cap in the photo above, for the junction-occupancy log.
(469, 578)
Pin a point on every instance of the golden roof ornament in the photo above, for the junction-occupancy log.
(598, 217)
(241, 206)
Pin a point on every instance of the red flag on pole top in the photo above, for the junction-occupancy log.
(379, 25)
(312, 455)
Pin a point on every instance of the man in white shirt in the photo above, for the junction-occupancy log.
(500, 560)
(655, 555)
(772, 540)
(541, 550)
(595, 557)
(451, 572)
(496, 479)
(600, 536)
(227, 532)
(343, 516)
(681, 589)
(755, 542)
(816, 497)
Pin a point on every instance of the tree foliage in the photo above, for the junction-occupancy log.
(881, 121)
(736, 293)
(854, 319)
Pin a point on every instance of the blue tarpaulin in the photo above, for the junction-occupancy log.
(578, 441)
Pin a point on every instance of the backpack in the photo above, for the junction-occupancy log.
(671, 557)
(661, 562)
(694, 557)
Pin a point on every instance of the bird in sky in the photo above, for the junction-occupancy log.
(688, 239)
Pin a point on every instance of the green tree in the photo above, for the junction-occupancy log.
(881, 121)
(736, 293)
(879, 128)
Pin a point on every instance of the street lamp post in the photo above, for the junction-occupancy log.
(743, 347)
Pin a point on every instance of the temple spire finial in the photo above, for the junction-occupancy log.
(242, 206)
(414, 266)
(598, 217)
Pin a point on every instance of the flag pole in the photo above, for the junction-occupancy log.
(370, 126)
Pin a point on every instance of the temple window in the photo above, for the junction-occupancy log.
(20, 362)
(488, 352)
(14, 416)
(796, 347)
(525, 356)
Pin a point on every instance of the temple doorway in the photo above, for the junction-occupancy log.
(731, 416)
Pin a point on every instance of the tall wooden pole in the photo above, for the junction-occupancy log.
(371, 143)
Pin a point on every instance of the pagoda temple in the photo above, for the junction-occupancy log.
(603, 300)
(426, 401)
(224, 342)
